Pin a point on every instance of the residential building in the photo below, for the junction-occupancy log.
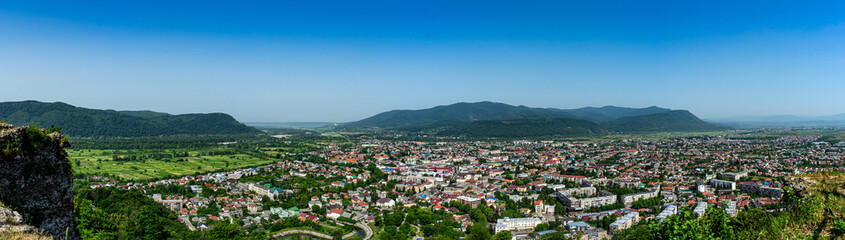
(472, 201)
(761, 190)
(669, 211)
(573, 203)
(731, 209)
(722, 184)
(700, 209)
(516, 224)
(624, 222)
(699, 186)
(630, 198)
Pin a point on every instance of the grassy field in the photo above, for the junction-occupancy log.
(100, 162)
(162, 157)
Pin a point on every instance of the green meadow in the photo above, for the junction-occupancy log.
(148, 158)
(142, 167)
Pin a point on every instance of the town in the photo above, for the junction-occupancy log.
(391, 189)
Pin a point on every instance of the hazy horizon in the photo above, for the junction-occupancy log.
(340, 61)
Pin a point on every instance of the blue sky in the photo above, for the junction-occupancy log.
(346, 60)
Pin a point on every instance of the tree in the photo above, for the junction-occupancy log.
(503, 235)
(411, 218)
(478, 215)
(93, 223)
(478, 231)
(337, 234)
(379, 221)
(318, 210)
(541, 227)
(224, 230)
(148, 225)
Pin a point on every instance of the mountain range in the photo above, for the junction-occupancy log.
(491, 119)
(480, 119)
(85, 122)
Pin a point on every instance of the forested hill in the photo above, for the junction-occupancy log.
(560, 127)
(490, 119)
(672, 121)
(456, 113)
(608, 113)
(85, 122)
(482, 111)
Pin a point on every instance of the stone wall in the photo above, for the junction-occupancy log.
(35, 179)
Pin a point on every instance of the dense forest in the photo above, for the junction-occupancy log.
(107, 213)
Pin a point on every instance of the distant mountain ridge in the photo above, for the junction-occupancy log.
(85, 122)
(563, 127)
(783, 121)
(458, 113)
(672, 121)
(608, 113)
(480, 111)
(493, 119)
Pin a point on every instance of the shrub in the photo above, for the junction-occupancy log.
(839, 227)
(345, 219)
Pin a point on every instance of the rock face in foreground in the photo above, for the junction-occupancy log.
(13, 227)
(35, 179)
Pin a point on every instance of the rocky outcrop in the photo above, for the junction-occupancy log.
(13, 227)
(35, 179)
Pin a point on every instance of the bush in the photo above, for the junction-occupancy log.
(839, 227)
(346, 219)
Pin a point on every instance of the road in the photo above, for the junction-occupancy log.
(299, 231)
(366, 229)
(418, 229)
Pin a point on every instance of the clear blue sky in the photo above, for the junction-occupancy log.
(346, 60)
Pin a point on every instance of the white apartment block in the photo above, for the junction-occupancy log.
(630, 198)
(515, 224)
(624, 222)
(701, 208)
(669, 211)
(722, 184)
(574, 203)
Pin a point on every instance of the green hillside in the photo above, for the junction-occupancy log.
(84, 122)
(525, 128)
(607, 113)
(672, 121)
(144, 114)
